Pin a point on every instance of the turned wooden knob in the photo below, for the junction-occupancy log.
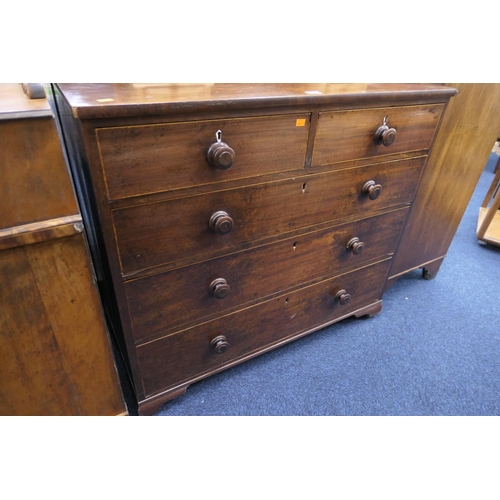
(343, 297)
(219, 288)
(372, 189)
(220, 222)
(384, 134)
(219, 344)
(355, 246)
(219, 154)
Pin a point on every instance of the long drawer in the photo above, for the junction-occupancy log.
(172, 360)
(164, 232)
(167, 301)
(146, 159)
(350, 135)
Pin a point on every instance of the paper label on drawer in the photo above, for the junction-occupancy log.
(300, 122)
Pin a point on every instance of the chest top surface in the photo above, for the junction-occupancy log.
(131, 99)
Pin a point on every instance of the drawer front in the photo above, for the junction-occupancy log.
(169, 361)
(161, 303)
(350, 135)
(138, 160)
(164, 232)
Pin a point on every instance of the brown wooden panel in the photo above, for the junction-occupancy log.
(349, 135)
(55, 356)
(158, 233)
(161, 303)
(174, 359)
(462, 147)
(152, 158)
(35, 183)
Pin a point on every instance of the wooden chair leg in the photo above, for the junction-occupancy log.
(489, 213)
(491, 191)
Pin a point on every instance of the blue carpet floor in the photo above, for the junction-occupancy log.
(434, 350)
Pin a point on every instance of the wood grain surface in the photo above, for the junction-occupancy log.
(170, 361)
(55, 353)
(147, 159)
(349, 135)
(35, 182)
(55, 357)
(159, 233)
(124, 100)
(463, 144)
(168, 301)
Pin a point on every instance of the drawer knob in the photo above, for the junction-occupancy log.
(221, 223)
(385, 135)
(372, 189)
(219, 154)
(219, 288)
(343, 297)
(219, 344)
(355, 246)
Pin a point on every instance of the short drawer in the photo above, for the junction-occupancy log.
(146, 159)
(351, 135)
(176, 359)
(164, 232)
(164, 302)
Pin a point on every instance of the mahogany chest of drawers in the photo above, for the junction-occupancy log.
(226, 220)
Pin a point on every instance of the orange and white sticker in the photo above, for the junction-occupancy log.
(300, 122)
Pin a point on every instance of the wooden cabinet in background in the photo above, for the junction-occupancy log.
(461, 149)
(55, 353)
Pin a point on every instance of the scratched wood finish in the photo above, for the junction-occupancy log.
(152, 158)
(463, 144)
(349, 135)
(170, 361)
(167, 301)
(158, 233)
(55, 357)
(32, 167)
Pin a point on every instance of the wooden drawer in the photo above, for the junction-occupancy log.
(164, 232)
(164, 302)
(349, 135)
(145, 159)
(175, 359)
